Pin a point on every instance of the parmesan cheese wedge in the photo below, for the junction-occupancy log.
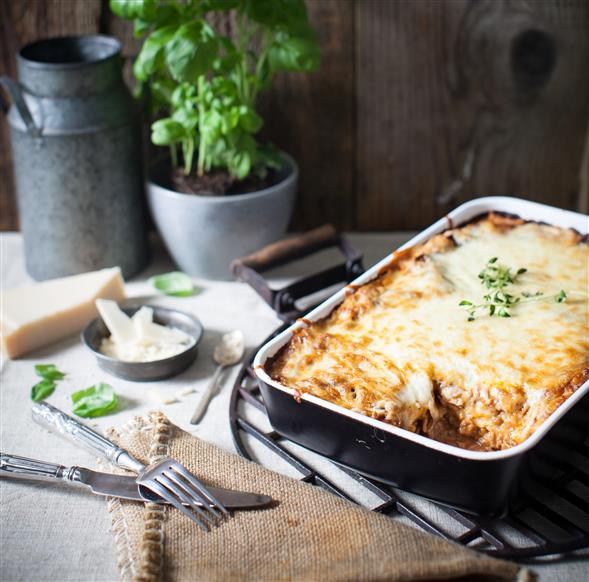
(138, 338)
(37, 315)
(119, 324)
(149, 332)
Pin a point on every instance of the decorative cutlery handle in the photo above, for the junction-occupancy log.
(50, 417)
(24, 468)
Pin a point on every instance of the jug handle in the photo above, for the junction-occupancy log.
(16, 95)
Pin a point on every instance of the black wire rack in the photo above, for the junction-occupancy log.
(550, 521)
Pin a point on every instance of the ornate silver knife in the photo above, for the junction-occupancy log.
(121, 486)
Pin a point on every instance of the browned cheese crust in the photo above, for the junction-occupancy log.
(400, 349)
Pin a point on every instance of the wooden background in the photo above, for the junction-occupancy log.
(418, 105)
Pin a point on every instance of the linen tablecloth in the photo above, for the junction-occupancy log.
(58, 533)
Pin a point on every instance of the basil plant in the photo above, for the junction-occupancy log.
(208, 82)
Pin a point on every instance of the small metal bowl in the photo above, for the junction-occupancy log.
(96, 331)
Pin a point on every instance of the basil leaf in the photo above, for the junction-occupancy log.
(151, 57)
(249, 120)
(140, 27)
(129, 9)
(49, 372)
(42, 389)
(97, 400)
(240, 164)
(220, 4)
(269, 157)
(277, 13)
(176, 284)
(294, 54)
(192, 51)
(166, 132)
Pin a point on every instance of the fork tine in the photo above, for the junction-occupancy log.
(199, 486)
(165, 494)
(193, 492)
(167, 481)
(193, 496)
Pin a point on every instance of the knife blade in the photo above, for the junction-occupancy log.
(126, 488)
(111, 485)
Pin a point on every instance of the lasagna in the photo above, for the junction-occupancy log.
(420, 346)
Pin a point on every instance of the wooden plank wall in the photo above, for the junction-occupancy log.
(418, 106)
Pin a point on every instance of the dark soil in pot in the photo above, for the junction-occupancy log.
(220, 183)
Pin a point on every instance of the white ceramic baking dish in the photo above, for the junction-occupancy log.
(384, 451)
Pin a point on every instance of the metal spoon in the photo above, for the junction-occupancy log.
(228, 352)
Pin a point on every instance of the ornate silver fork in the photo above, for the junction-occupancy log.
(168, 478)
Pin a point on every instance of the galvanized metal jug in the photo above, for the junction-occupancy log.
(76, 146)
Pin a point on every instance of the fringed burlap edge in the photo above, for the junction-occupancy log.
(148, 565)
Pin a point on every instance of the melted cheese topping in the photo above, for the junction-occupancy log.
(400, 348)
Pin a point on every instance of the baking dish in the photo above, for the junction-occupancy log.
(480, 482)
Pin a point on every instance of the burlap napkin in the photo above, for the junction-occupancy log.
(308, 535)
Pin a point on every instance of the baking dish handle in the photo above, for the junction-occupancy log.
(283, 301)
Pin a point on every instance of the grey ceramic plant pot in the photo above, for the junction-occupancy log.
(205, 233)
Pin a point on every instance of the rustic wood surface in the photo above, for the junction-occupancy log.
(418, 105)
